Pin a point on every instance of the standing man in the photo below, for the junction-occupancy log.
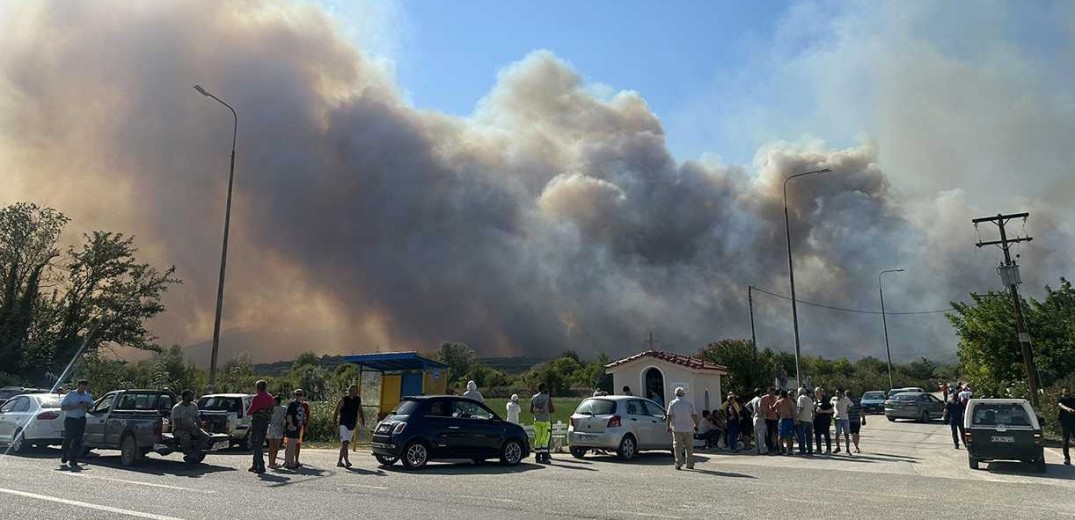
(759, 410)
(260, 412)
(295, 420)
(542, 409)
(805, 429)
(1066, 403)
(772, 421)
(953, 415)
(348, 415)
(473, 393)
(514, 409)
(857, 420)
(74, 405)
(823, 411)
(682, 423)
(841, 404)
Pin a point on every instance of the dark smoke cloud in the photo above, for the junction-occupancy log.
(550, 219)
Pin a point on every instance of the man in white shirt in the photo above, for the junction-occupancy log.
(841, 403)
(757, 409)
(804, 412)
(74, 405)
(682, 423)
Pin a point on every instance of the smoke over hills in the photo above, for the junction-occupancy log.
(549, 219)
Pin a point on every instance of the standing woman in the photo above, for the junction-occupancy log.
(276, 430)
(733, 414)
(823, 411)
(857, 420)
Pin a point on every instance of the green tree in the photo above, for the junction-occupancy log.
(459, 358)
(746, 371)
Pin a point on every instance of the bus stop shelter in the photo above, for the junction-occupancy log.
(402, 374)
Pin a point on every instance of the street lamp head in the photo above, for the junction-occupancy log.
(201, 90)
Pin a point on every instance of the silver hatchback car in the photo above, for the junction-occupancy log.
(623, 423)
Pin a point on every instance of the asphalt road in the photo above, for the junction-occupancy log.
(906, 471)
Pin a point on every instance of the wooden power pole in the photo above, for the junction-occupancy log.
(1009, 273)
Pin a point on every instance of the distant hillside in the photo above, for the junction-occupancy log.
(512, 365)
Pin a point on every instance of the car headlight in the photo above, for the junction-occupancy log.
(400, 426)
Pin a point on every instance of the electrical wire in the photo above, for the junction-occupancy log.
(859, 311)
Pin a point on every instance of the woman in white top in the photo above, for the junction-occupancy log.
(514, 409)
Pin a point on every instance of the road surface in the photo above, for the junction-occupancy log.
(906, 471)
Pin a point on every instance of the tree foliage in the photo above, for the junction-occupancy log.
(51, 304)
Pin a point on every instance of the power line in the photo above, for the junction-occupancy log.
(844, 309)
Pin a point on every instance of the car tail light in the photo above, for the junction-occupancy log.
(966, 437)
(48, 416)
(574, 423)
(1038, 439)
(400, 426)
(614, 422)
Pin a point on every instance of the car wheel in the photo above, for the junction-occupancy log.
(628, 448)
(1039, 465)
(512, 453)
(890, 418)
(578, 453)
(129, 453)
(973, 463)
(19, 444)
(194, 457)
(925, 416)
(415, 455)
(386, 460)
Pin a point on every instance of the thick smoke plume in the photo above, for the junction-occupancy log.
(549, 219)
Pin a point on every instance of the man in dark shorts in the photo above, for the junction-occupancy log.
(856, 420)
(348, 416)
(1066, 403)
(295, 421)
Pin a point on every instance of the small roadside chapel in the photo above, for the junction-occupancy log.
(655, 374)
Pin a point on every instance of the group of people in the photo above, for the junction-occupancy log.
(772, 422)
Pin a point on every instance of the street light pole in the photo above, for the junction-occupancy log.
(791, 273)
(884, 322)
(224, 249)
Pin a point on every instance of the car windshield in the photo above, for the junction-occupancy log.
(873, 395)
(9, 393)
(597, 407)
(225, 404)
(996, 414)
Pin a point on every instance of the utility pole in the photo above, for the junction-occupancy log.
(1009, 273)
(753, 336)
(884, 322)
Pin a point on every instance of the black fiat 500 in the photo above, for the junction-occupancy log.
(421, 429)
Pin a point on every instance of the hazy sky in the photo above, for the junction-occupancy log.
(533, 177)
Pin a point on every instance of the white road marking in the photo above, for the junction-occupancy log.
(503, 500)
(87, 505)
(366, 486)
(149, 484)
(649, 515)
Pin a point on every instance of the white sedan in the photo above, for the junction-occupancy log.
(31, 420)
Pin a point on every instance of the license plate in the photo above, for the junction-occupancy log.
(221, 445)
(584, 437)
(1002, 438)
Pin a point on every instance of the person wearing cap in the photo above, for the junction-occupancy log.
(295, 421)
(473, 393)
(682, 423)
(514, 409)
(74, 405)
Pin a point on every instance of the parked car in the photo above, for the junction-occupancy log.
(905, 390)
(626, 424)
(8, 392)
(226, 413)
(422, 429)
(921, 407)
(873, 401)
(31, 420)
(133, 422)
(1003, 429)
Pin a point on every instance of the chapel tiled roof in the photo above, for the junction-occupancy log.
(672, 357)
